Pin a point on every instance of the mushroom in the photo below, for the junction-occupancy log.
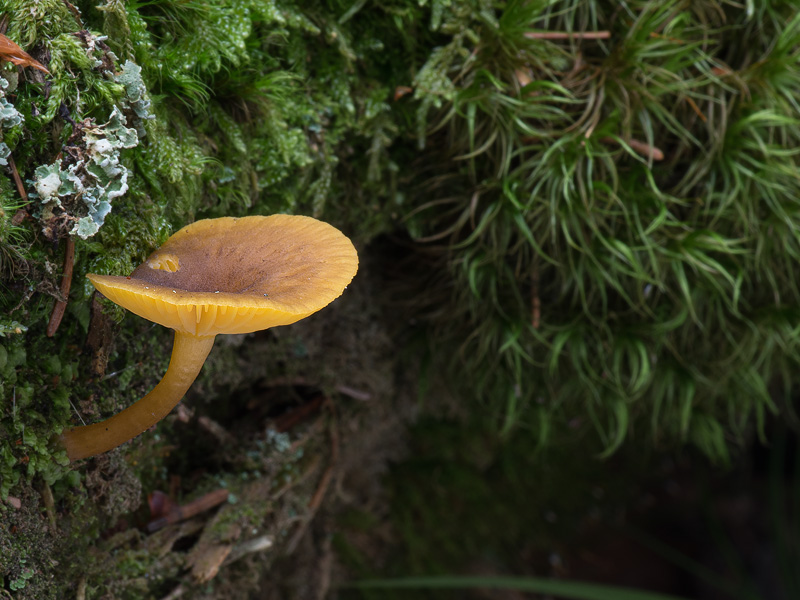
(226, 275)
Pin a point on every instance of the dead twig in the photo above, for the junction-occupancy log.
(75, 12)
(100, 338)
(566, 35)
(17, 180)
(66, 284)
(313, 505)
(218, 431)
(310, 432)
(274, 496)
(174, 594)
(696, 109)
(80, 593)
(251, 546)
(175, 513)
(207, 563)
(49, 505)
(643, 148)
(291, 418)
(324, 483)
(346, 390)
(646, 149)
(325, 569)
(536, 301)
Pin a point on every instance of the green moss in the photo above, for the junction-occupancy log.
(562, 279)
(585, 278)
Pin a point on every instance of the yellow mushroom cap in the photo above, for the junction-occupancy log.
(237, 275)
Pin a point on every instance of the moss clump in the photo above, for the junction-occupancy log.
(610, 203)
(26, 549)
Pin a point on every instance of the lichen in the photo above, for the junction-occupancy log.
(136, 96)
(95, 177)
(10, 118)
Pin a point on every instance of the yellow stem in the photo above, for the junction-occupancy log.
(189, 352)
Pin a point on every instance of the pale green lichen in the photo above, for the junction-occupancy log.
(96, 179)
(9, 117)
(136, 96)
(51, 183)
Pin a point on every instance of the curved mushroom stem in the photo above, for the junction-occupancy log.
(189, 352)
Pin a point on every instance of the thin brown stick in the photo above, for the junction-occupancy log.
(536, 302)
(565, 35)
(353, 393)
(325, 568)
(49, 505)
(696, 109)
(643, 148)
(175, 593)
(75, 12)
(66, 284)
(646, 149)
(187, 511)
(17, 180)
(342, 389)
(323, 485)
(313, 506)
(80, 593)
(322, 488)
(302, 413)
